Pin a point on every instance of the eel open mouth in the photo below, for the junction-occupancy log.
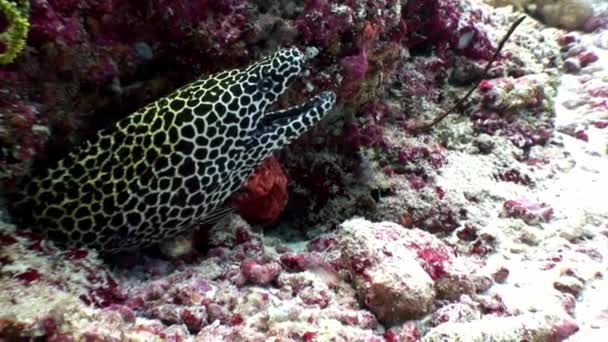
(283, 117)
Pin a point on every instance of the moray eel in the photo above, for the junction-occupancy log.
(172, 164)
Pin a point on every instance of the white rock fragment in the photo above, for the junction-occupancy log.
(311, 52)
(535, 327)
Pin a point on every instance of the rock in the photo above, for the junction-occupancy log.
(572, 65)
(528, 327)
(455, 312)
(259, 274)
(529, 211)
(569, 284)
(386, 274)
(566, 14)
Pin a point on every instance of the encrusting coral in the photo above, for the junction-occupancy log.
(14, 26)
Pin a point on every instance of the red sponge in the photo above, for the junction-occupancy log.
(264, 195)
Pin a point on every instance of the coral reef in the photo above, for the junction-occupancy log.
(492, 225)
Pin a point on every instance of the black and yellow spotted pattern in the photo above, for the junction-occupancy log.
(171, 164)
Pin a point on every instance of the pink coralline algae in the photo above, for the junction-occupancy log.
(54, 21)
(514, 176)
(581, 135)
(600, 124)
(453, 276)
(260, 274)
(415, 161)
(354, 70)
(587, 58)
(529, 211)
(408, 332)
(501, 274)
(301, 261)
(433, 260)
(597, 22)
(572, 65)
(28, 275)
(22, 138)
(456, 312)
(417, 154)
(468, 233)
(322, 244)
(474, 43)
(516, 108)
(370, 251)
(576, 54)
(91, 281)
(89, 63)
(321, 24)
(219, 32)
(369, 134)
(441, 218)
(223, 294)
(507, 96)
(484, 244)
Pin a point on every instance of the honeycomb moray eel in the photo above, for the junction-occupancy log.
(172, 164)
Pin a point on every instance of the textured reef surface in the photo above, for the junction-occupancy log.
(490, 226)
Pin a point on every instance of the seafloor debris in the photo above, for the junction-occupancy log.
(566, 14)
(491, 225)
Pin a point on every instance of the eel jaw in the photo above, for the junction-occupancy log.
(308, 113)
(277, 129)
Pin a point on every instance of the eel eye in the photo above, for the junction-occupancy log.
(265, 85)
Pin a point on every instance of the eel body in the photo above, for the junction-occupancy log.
(172, 164)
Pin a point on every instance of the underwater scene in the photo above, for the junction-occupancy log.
(304, 170)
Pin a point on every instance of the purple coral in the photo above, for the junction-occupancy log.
(529, 211)
(318, 24)
(53, 22)
(354, 70)
(436, 23)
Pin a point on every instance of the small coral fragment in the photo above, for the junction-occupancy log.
(587, 58)
(260, 274)
(530, 212)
